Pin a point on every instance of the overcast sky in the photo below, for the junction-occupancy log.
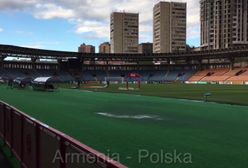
(65, 24)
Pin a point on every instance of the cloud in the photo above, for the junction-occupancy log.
(95, 29)
(16, 4)
(91, 18)
(1, 29)
(52, 11)
(193, 20)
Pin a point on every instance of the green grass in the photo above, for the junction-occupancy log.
(232, 94)
(215, 134)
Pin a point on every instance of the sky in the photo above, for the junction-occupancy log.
(65, 24)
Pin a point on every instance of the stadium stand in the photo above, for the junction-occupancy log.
(199, 76)
(19, 73)
(215, 75)
(146, 76)
(217, 66)
(240, 77)
(184, 76)
(175, 76)
(222, 75)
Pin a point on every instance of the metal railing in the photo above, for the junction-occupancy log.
(37, 145)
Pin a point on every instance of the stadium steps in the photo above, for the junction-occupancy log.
(225, 75)
(199, 76)
(240, 72)
(167, 74)
(238, 75)
(216, 75)
(243, 77)
(180, 76)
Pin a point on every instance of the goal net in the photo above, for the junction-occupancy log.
(114, 80)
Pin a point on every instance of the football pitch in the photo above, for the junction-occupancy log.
(143, 126)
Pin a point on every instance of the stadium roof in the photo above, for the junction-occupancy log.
(15, 51)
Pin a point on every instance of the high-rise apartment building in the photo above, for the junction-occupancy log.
(169, 27)
(104, 48)
(124, 32)
(146, 48)
(224, 23)
(86, 48)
